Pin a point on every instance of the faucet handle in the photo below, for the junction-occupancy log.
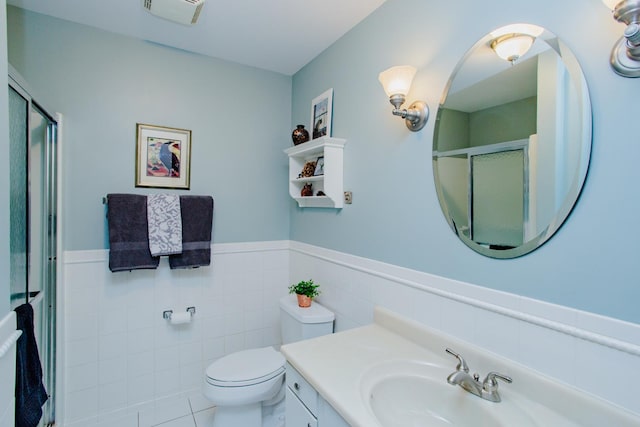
(462, 364)
(490, 384)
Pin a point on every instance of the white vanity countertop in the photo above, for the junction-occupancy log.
(334, 366)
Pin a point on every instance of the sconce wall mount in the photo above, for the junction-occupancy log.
(415, 117)
(625, 56)
(396, 82)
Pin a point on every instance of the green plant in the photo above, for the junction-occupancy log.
(305, 287)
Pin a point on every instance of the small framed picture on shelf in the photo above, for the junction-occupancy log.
(163, 157)
(319, 166)
(321, 107)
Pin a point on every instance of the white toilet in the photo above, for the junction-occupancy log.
(247, 386)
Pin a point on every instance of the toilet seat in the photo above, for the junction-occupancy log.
(245, 368)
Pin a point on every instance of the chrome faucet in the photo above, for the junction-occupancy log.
(487, 389)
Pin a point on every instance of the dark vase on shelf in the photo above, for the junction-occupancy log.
(307, 190)
(299, 135)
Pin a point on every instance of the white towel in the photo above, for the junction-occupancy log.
(165, 224)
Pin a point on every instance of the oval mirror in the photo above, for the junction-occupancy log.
(512, 141)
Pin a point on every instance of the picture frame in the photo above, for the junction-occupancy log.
(321, 114)
(163, 157)
(319, 166)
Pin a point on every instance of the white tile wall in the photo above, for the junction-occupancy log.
(588, 351)
(121, 353)
(121, 356)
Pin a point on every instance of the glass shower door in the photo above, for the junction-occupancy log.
(33, 239)
(498, 198)
(18, 205)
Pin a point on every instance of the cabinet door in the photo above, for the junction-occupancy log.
(297, 414)
(302, 389)
(328, 417)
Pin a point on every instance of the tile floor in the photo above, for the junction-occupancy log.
(193, 410)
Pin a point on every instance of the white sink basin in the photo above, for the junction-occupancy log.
(413, 394)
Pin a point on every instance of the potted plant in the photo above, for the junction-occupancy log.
(305, 290)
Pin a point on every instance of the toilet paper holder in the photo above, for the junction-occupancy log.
(167, 313)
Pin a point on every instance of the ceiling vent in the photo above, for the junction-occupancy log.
(182, 11)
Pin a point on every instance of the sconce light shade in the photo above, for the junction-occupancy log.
(625, 56)
(396, 82)
(510, 47)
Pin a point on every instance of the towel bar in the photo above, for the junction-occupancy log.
(35, 298)
(4, 348)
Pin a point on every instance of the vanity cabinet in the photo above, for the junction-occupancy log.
(329, 180)
(305, 407)
(297, 414)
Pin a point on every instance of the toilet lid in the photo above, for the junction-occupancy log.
(246, 367)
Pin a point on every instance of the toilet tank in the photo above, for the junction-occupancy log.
(297, 323)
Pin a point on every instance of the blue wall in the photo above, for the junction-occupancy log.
(105, 83)
(590, 264)
(100, 82)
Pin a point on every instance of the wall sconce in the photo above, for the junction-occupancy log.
(396, 82)
(510, 47)
(625, 56)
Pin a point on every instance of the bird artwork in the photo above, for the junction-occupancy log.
(163, 158)
(169, 156)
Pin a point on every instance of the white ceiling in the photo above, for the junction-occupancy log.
(484, 80)
(276, 35)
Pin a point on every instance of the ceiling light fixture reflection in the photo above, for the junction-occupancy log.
(511, 47)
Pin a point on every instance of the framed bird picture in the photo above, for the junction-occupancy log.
(163, 157)
(321, 114)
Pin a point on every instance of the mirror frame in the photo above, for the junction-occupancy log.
(579, 176)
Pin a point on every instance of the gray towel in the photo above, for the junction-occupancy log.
(128, 233)
(165, 224)
(197, 224)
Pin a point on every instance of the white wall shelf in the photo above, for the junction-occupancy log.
(330, 183)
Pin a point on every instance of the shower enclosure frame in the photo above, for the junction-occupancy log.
(45, 235)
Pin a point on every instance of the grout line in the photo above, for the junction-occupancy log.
(193, 417)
